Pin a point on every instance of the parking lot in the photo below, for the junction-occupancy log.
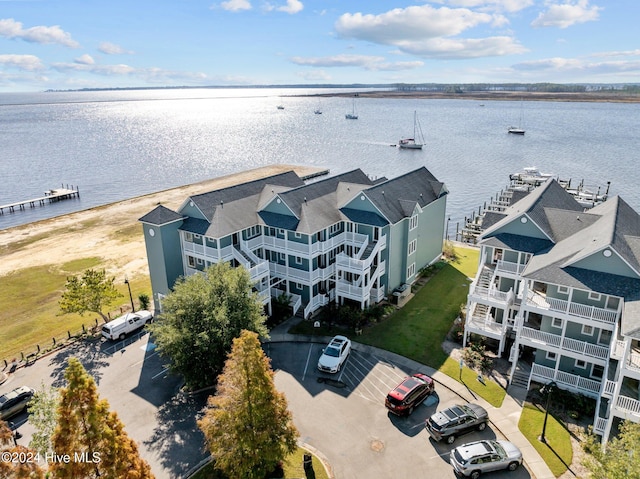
(343, 415)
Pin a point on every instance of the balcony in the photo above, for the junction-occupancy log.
(548, 306)
(573, 382)
(507, 268)
(627, 408)
(283, 245)
(536, 338)
(493, 295)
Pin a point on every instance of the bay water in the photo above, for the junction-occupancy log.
(115, 145)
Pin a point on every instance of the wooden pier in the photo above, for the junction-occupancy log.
(50, 196)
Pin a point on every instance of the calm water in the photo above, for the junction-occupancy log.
(117, 145)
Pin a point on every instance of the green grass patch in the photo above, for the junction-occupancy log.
(557, 452)
(128, 232)
(29, 311)
(490, 391)
(293, 468)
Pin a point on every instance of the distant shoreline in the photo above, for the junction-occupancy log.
(612, 97)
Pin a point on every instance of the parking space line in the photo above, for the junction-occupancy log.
(143, 360)
(160, 373)
(375, 378)
(304, 373)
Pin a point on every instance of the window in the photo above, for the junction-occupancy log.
(605, 337)
(580, 364)
(298, 260)
(196, 236)
(297, 235)
(191, 261)
(556, 323)
(413, 222)
(597, 371)
(299, 286)
(551, 356)
(587, 330)
(253, 231)
(411, 270)
(594, 296)
(199, 261)
(188, 237)
(413, 246)
(280, 232)
(563, 290)
(334, 228)
(282, 257)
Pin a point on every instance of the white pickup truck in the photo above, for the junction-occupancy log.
(119, 327)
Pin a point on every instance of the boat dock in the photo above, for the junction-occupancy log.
(50, 196)
(518, 187)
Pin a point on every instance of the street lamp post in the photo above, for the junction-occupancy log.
(447, 235)
(548, 389)
(126, 281)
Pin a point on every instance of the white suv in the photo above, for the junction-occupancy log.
(334, 355)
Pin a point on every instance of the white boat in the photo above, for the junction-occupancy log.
(517, 130)
(353, 115)
(530, 175)
(416, 142)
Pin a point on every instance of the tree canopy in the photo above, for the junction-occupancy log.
(90, 292)
(248, 426)
(620, 459)
(17, 469)
(91, 435)
(202, 316)
(43, 409)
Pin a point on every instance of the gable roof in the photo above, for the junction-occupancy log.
(396, 198)
(548, 206)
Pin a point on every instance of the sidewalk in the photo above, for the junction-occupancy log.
(505, 418)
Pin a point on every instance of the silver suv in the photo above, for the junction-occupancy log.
(475, 458)
(15, 402)
(456, 421)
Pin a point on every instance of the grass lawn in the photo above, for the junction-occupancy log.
(29, 306)
(557, 452)
(293, 468)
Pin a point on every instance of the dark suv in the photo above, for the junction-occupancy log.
(409, 394)
(15, 401)
(456, 421)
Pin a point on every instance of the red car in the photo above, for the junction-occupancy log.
(409, 394)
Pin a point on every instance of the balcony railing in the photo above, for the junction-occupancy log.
(301, 275)
(627, 405)
(545, 303)
(609, 388)
(491, 293)
(600, 425)
(544, 374)
(509, 267)
(486, 326)
(535, 337)
(315, 303)
(306, 249)
(633, 362)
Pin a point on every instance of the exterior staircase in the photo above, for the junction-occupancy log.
(521, 376)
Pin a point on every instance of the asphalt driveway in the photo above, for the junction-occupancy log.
(344, 417)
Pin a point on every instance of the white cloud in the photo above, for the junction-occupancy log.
(429, 32)
(292, 6)
(490, 5)
(109, 48)
(9, 28)
(578, 67)
(371, 63)
(85, 60)
(236, 5)
(21, 62)
(567, 14)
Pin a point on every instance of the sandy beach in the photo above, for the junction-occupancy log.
(112, 232)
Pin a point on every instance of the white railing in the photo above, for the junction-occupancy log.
(509, 267)
(491, 293)
(617, 352)
(315, 303)
(259, 270)
(363, 247)
(284, 245)
(585, 348)
(295, 300)
(633, 362)
(264, 296)
(346, 289)
(536, 337)
(574, 309)
(244, 247)
(628, 405)
(565, 380)
(213, 254)
(237, 255)
(609, 388)
(376, 294)
(485, 325)
(600, 425)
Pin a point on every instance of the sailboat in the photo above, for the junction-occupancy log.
(517, 130)
(416, 142)
(352, 115)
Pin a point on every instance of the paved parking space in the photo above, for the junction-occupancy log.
(343, 415)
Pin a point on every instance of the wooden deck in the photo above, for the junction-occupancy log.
(50, 196)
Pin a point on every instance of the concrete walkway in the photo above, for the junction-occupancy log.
(505, 418)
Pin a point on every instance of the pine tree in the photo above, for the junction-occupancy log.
(247, 425)
(85, 425)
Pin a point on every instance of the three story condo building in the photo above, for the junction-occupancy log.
(562, 284)
(345, 238)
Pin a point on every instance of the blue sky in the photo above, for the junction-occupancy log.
(69, 44)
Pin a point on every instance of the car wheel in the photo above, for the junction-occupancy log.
(122, 336)
(513, 466)
(475, 475)
(451, 439)
(482, 426)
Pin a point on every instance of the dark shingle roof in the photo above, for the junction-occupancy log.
(160, 215)
(364, 217)
(277, 220)
(395, 197)
(518, 243)
(208, 202)
(195, 225)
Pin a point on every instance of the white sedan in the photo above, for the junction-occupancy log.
(334, 355)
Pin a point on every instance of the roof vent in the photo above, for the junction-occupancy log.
(578, 217)
(305, 199)
(221, 204)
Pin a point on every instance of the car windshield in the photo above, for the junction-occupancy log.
(459, 457)
(499, 449)
(467, 410)
(331, 351)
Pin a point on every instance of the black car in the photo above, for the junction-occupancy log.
(456, 421)
(15, 401)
